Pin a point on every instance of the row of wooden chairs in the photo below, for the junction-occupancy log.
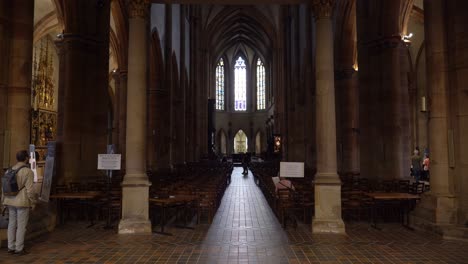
(207, 182)
(107, 205)
(287, 204)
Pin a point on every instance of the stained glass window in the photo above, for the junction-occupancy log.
(220, 85)
(240, 85)
(260, 85)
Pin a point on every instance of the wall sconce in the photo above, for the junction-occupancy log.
(277, 143)
(406, 38)
(423, 104)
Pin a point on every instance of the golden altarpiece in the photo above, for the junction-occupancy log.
(43, 112)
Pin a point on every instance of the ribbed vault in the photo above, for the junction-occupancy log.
(240, 25)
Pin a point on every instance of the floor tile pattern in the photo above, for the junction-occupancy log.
(244, 230)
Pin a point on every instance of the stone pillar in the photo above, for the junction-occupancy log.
(383, 91)
(439, 206)
(83, 104)
(116, 109)
(19, 76)
(348, 118)
(327, 183)
(122, 117)
(4, 51)
(135, 186)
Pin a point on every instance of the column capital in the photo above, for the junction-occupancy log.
(138, 8)
(322, 8)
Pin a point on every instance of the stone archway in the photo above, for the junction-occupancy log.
(240, 142)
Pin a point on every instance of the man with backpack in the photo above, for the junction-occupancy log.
(18, 197)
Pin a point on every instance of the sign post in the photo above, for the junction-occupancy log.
(48, 172)
(292, 169)
(32, 160)
(109, 162)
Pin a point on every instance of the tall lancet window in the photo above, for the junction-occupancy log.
(240, 85)
(220, 85)
(260, 85)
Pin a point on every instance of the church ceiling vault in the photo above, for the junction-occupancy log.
(241, 24)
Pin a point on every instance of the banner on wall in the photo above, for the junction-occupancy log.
(48, 172)
(32, 160)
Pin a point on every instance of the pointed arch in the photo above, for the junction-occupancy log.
(156, 62)
(157, 151)
(240, 82)
(241, 142)
(220, 84)
(222, 139)
(260, 84)
(258, 142)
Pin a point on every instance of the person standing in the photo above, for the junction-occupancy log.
(416, 163)
(19, 204)
(425, 165)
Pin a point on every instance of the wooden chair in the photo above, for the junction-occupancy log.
(403, 186)
(206, 203)
(417, 188)
(286, 207)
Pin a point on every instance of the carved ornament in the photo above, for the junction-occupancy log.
(138, 8)
(323, 8)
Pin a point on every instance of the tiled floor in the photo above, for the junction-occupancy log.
(244, 231)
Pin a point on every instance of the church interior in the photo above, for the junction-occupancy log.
(180, 95)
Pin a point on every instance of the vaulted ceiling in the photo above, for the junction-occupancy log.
(231, 26)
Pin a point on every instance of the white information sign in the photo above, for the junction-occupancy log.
(32, 160)
(109, 161)
(292, 169)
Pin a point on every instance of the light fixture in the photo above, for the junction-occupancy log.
(406, 38)
(423, 104)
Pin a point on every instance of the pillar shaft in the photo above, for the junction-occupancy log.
(122, 105)
(327, 183)
(4, 51)
(437, 67)
(135, 186)
(19, 76)
(116, 110)
(348, 121)
(83, 104)
(439, 207)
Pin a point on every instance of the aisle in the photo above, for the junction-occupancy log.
(245, 227)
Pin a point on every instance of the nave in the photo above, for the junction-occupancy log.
(244, 230)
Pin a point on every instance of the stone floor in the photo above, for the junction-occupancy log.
(244, 230)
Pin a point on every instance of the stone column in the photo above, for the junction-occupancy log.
(4, 27)
(327, 183)
(439, 207)
(346, 87)
(122, 117)
(135, 186)
(19, 76)
(116, 109)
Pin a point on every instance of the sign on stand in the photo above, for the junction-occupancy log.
(109, 161)
(32, 160)
(48, 172)
(292, 169)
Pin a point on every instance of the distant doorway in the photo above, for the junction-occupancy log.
(222, 142)
(240, 142)
(258, 143)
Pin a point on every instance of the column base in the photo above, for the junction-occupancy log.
(135, 226)
(438, 214)
(328, 204)
(135, 205)
(330, 226)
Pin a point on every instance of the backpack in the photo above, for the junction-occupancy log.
(9, 182)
